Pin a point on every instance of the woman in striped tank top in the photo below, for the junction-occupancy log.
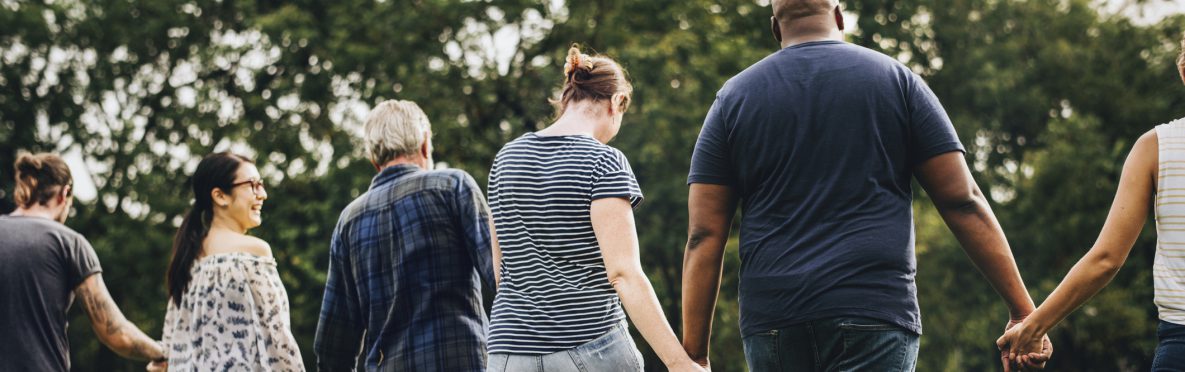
(1153, 177)
(566, 258)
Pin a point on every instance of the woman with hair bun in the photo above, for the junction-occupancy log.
(567, 255)
(227, 309)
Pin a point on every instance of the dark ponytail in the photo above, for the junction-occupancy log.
(214, 171)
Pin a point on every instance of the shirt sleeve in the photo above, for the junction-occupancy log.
(170, 319)
(474, 216)
(339, 331)
(710, 161)
(615, 179)
(81, 260)
(931, 131)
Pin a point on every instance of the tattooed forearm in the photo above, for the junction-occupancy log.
(110, 325)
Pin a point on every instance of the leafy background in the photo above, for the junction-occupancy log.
(1048, 96)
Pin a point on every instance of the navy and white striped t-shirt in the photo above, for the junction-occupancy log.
(555, 293)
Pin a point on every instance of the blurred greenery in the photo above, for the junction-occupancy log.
(1047, 95)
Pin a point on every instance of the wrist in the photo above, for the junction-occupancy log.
(697, 354)
(1019, 313)
(679, 364)
(1037, 323)
(164, 353)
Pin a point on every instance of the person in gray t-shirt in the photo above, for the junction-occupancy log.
(43, 266)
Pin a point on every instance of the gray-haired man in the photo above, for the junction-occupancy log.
(407, 259)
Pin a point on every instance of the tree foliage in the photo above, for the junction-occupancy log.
(1048, 96)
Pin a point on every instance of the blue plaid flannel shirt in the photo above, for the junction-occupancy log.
(408, 262)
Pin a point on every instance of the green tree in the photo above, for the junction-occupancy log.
(1048, 96)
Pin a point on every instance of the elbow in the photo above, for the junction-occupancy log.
(625, 276)
(969, 201)
(1106, 264)
(698, 235)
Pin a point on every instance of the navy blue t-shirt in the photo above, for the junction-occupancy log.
(819, 141)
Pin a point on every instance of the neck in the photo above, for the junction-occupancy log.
(578, 121)
(820, 27)
(221, 222)
(37, 210)
(417, 161)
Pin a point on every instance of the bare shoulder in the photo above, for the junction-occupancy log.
(237, 243)
(253, 245)
(1148, 140)
(1145, 157)
(1146, 150)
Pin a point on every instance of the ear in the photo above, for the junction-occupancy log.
(839, 18)
(615, 103)
(426, 147)
(776, 29)
(376, 166)
(65, 193)
(219, 198)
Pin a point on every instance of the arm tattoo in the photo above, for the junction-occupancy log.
(110, 325)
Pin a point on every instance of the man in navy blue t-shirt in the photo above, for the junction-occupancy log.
(818, 143)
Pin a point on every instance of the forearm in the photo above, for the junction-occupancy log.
(1085, 280)
(642, 306)
(977, 230)
(111, 327)
(129, 342)
(336, 346)
(339, 334)
(497, 253)
(701, 285)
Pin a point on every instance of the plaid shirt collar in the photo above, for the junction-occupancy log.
(392, 173)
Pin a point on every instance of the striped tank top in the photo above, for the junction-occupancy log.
(1168, 269)
(555, 293)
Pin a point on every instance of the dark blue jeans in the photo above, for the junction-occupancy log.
(1170, 354)
(833, 344)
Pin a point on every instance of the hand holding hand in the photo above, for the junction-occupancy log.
(1021, 348)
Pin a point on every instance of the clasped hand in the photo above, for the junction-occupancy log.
(1022, 348)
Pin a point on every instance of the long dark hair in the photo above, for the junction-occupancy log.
(215, 170)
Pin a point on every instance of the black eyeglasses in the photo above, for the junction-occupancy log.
(256, 186)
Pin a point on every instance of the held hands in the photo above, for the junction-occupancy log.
(1021, 348)
(160, 364)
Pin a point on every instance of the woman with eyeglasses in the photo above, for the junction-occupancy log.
(227, 307)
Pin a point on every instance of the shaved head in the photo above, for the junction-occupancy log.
(786, 10)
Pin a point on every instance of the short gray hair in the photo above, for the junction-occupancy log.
(393, 129)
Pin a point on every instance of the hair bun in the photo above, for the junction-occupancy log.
(28, 164)
(575, 63)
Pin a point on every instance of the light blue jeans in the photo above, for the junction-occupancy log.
(613, 352)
